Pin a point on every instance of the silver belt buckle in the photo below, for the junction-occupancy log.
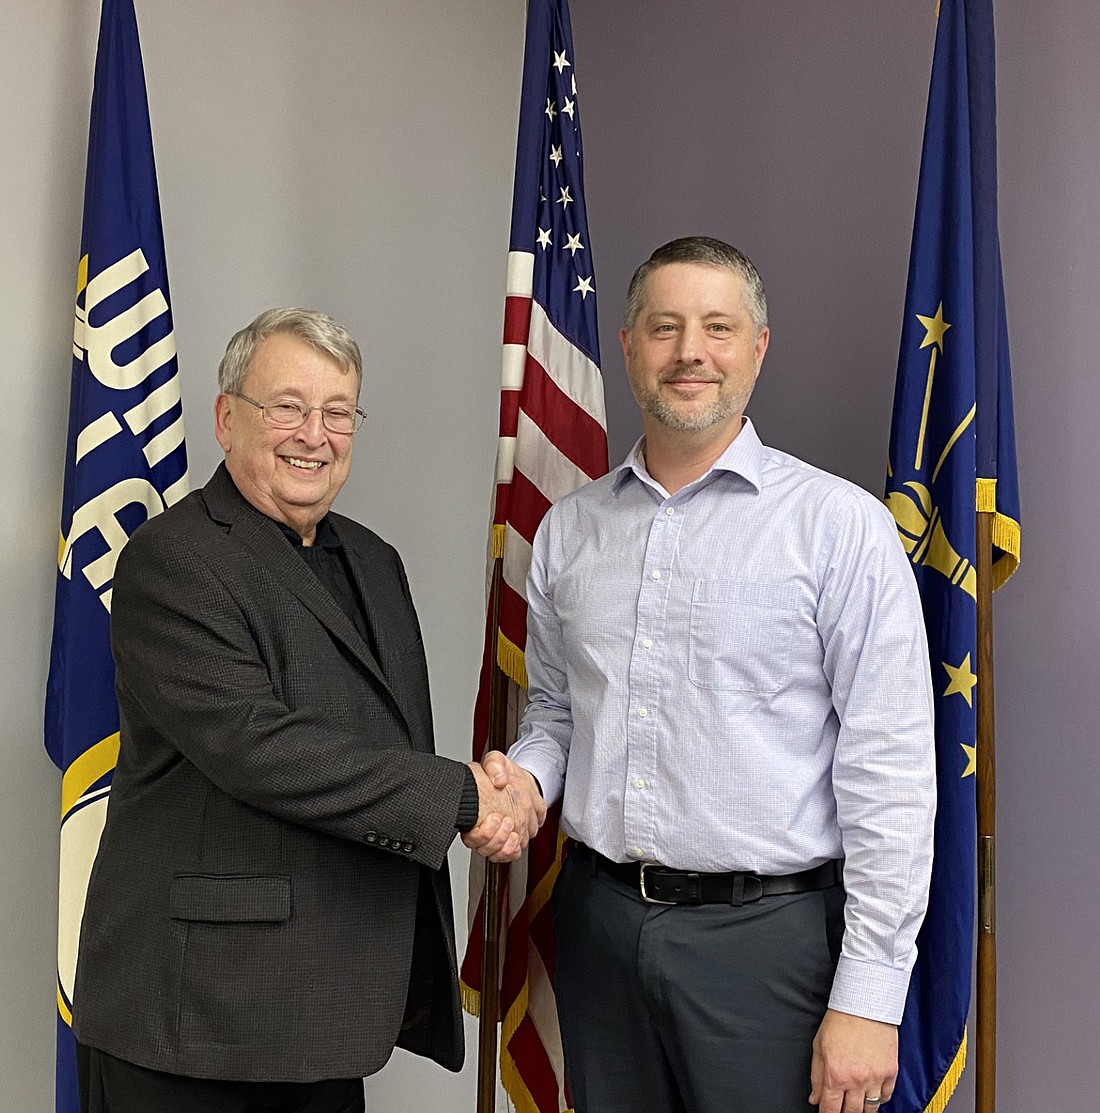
(641, 884)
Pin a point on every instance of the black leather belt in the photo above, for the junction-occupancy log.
(659, 884)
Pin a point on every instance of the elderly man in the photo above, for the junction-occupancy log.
(270, 912)
(730, 692)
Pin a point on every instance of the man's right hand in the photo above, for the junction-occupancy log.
(511, 809)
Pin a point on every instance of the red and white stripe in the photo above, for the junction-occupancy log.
(553, 439)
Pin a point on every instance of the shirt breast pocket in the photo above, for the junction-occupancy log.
(740, 635)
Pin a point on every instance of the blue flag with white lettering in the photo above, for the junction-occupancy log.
(952, 453)
(125, 461)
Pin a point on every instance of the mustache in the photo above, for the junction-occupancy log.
(688, 377)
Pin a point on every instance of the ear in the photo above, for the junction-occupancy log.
(223, 421)
(624, 340)
(762, 346)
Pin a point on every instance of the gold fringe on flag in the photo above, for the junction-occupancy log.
(950, 1080)
(1006, 532)
(510, 659)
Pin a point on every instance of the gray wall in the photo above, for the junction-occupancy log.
(358, 157)
(793, 130)
(354, 157)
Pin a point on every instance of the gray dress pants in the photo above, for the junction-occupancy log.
(690, 1008)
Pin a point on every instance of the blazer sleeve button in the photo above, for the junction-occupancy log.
(371, 837)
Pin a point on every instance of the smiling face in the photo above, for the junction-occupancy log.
(291, 475)
(693, 353)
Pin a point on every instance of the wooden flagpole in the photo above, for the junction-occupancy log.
(985, 773)
(489, 1013)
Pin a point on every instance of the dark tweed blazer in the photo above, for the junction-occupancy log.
(277, 817)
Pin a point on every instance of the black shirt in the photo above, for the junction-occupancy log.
(328, 562)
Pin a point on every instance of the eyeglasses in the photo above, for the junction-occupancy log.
(287, 414)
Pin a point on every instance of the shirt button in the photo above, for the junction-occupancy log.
(669, 511)
(642, 712)
(648, 643)
(638, 852)
(639, 783)
(657, 574)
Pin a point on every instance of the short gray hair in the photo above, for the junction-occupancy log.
(712, 253)
(315, 328)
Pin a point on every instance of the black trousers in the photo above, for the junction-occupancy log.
(690, 1008)
(110, 1085)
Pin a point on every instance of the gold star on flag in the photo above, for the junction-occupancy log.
(934, 328)
(962, 681)
(971, 760)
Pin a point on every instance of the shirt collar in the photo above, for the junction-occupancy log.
(326, 536)
(744, 456)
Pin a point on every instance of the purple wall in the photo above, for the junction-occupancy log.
(793, 130)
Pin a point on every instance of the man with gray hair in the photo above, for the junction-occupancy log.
(269, 914)
(730, 694)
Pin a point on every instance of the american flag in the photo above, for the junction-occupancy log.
(552, 440)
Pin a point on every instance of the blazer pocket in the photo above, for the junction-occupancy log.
(229, 899)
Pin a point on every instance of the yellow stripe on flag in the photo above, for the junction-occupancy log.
(85, 770)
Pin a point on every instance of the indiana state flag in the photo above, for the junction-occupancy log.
(125, 461)
(951, 454)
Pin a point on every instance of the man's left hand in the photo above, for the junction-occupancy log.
(854, 1060)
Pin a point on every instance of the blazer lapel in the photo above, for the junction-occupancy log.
(380, 615)
(265, 540)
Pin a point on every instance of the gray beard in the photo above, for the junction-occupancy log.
(697, 421)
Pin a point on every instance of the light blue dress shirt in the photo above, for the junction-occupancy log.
(737, 678)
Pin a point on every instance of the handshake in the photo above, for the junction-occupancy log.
(510, 808)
